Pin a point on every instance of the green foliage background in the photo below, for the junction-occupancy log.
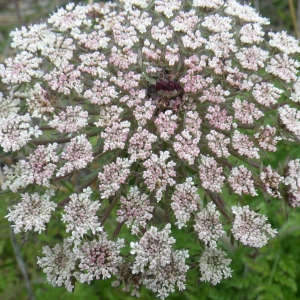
(273, 273)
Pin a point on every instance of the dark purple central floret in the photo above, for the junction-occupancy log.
(165, 85)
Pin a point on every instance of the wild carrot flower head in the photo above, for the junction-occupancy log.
(144, 106)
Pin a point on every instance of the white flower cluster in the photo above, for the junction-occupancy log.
(158, 173)
(244, 145)
(33, 212)
(266, 138)
(148, 104)
(166, 124)
(208, 227)
(184, 201)
(39, 169)
(70, 120)
(290, 118)
(81, 215)
(135, 210)
(241, 181)
(58, 263)
(167, 7)
(15, 129)
(214, 266)
(266, 93)
(250, 227)
(113, 176)
(295, 95)
(284, 42)
(40, 105)
(186, 143)
(161, 267)
(77, 156)
(211, 174)
(218, 143)
(99, 258)
(141, 144)
(293, 183)
(22, 69)
(271, 180)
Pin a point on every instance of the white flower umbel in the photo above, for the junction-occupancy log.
(33, 212)
(161, 267)
(77, 155)
(81, 215)
(214, 266)
(184, 201)
(208, 227)
(290, 118)
(159, 173)
(148, 104)
(113, 176)
(135, 210)
(99, 258)
(292, 181)
(250, 227)
(59, 264)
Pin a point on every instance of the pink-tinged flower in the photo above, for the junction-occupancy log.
(64, 79)
(80, 214)
(270, 181)
(39, 168)
(283, 67)
(95, 64)
(221, 44)
(208, 227)
(218, 118)
(184, 201)
(78, 155)
(162, 33)
(161, 267)
(159, 173)
(23, 68)
(250, 227)
(207, 3)
(70, 120)
(295, 95)
(216, 23)
(214, 266)
(40, 104)
(244, 146)
(210, 174)
(99, 258)
(113, 175)
(146, 105)
(167, 7)
(186, 143)
(184, 21)
(166, 124)
(266, 93)
(252, 58)
(251, 33)
(284, 42)
(33, 212)
(292, 182)
(246, 112)
(140, 144)
(290, 118)
(241, 181)
(59, 264)
(266, 138)
(218, 143)
(16, 129)
(135, 210)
